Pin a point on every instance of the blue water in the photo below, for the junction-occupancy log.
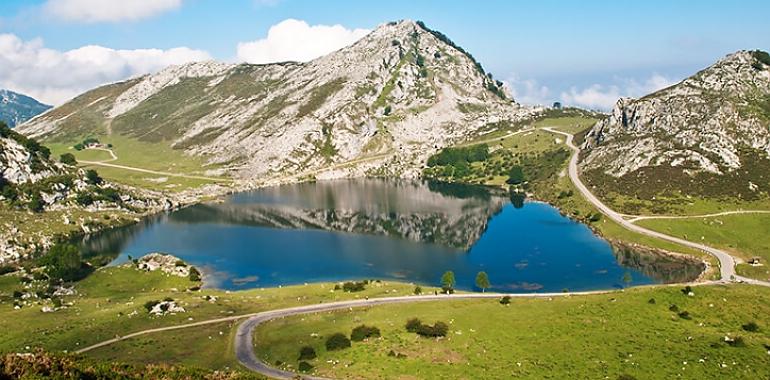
(402, 232)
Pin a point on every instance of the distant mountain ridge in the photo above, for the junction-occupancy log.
(707, 135)
(386, 103)
(16, 108)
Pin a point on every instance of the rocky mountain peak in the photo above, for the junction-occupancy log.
(16, 108)
(710, 123)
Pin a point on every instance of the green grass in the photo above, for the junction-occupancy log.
(743, 235)
(147, 180)
(602, 336)
(569, 124)
(106, 300)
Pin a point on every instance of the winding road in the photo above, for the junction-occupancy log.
(726, 261)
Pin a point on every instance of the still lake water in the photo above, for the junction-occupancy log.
(377, 229)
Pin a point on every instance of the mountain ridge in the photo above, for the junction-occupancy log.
(711, 128)
(16, 108)
(401, 91)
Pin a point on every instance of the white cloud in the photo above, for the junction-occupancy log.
(54, 76)
(604, 97)
(92, 11)
(528, 91)
(295, 40)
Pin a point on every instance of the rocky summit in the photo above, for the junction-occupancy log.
(714, 124)
(379, 106)
(17, 108)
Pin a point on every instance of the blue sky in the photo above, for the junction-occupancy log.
(583, 53)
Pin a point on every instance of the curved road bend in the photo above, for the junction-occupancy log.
(726, 261)
(244, 337)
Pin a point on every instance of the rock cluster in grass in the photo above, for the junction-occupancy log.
(165, 263)
(166, 307)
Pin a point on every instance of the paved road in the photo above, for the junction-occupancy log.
(244, 337)
(726, 261)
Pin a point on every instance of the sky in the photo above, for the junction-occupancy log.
(584, 53)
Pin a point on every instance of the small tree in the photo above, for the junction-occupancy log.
(515, 175)
(362, 332)
(412, 325)
(482, 281)
(92, 177)
(448, 281)
(36, 203)
(417, 290)
(307, 353)
(337, 341)
(68, 159)
(505, 300)
(195, 274)
(305, 366)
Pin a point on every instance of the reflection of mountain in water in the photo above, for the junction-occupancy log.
(660, 266)
(450, 215)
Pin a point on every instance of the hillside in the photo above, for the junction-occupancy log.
(42, 200)
(388, 101)
(17, 108)
(708, 136)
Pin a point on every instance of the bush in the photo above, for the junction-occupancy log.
(63, 262)
(505, 300)
(456, 156)
(437, 330)
(305, 367)
(363, 332)
(417, 290)
(673, 308)
(337, 341)
(736, 342)
(84, 198)
(351, 286)
(750, 327)
(337, 287)
(685, 315)
(92, 177)
(413, 324)
(687, 290)
(195, 274)
(68, 159)
(307, 353)
(36, 203)
(515, 175)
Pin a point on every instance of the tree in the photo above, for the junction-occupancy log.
(413, 324)
(307, 353)
(362, 332)
(63, 262)
(337, 341)
(195, 274)
(68, 159)
(518, 198)
(482, 281)
(36, 202)
(92, 177)
(448, 281)
(515, 175)
(417, 290)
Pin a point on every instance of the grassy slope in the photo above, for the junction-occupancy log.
(105, 301)
(573, 337)
(140, 154)
(743, 235)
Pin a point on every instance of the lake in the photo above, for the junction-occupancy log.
(381, 229)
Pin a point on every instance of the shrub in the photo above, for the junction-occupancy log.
(63, 262)
(307, 353)
(687, 290)
(651, 301)
(195, 274)
(305, 367)
(36, 203)
(437, 330)
(515, 175)
(673, 308)
(505, 300)
(417, 290)
(68, 159)
(337, 341)
(413, 324)
(337, 287)
(363, 332)
(351, 286)
(736, 342)
(685, 315)
(387, 110)
(92, 177)
(761, 56)
(750, 327)
(84, 198)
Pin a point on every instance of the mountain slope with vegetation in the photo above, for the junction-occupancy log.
(706, 136)
(388, 101)
(17, 108)
(43, 200)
